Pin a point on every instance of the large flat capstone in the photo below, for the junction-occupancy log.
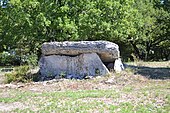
(106, 50)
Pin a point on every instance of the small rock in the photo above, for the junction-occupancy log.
(88, 77)
(110, 81)
(34, 89)
(11, 86)
(110, 66)
(118, 66)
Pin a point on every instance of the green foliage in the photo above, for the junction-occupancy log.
(62, 74)
(97, 72)
(7, 58)
(4, 56)
(139, 27)
(19, 75)
(152, 28)
(32, 60)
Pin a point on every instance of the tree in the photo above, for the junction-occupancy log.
(151, 28)
(141, 27)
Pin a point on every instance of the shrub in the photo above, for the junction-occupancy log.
(7, 58)
(20, 74)
(14, 58)
(32, 60)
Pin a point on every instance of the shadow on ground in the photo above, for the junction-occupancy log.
(151, 72)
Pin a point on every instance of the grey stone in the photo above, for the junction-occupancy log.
(118, 65)
(78, 59)
(70, 76)
(107, 51)
(74, 67)
(110, 66)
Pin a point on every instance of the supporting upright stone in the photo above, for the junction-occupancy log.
(118, 65)
(76, 67)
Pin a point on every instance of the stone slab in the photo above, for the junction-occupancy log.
(77, 66)
(106, 50)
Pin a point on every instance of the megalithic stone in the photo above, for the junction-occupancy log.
(118, 65)
(77, 67)
(106, 50)
(77, 59)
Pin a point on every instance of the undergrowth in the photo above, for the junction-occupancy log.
(20, 74)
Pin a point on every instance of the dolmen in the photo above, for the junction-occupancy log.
(79, 59)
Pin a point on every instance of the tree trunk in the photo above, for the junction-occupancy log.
(147, 51)
(137, 53)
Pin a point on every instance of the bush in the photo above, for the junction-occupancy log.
(32, 60)
(14, 58)
(8, 59)
(20, 74)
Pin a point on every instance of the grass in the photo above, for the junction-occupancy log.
(80, 101)
(126, 92)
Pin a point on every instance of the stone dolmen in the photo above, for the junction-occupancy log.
(78, 59)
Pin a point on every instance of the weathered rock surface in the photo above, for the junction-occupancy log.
(107, 51)
(78, 59)
(118, 65)
(72, 67)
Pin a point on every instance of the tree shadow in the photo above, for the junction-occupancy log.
(151, 72)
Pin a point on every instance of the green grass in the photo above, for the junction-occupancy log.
(129, 93)
(88, 100)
